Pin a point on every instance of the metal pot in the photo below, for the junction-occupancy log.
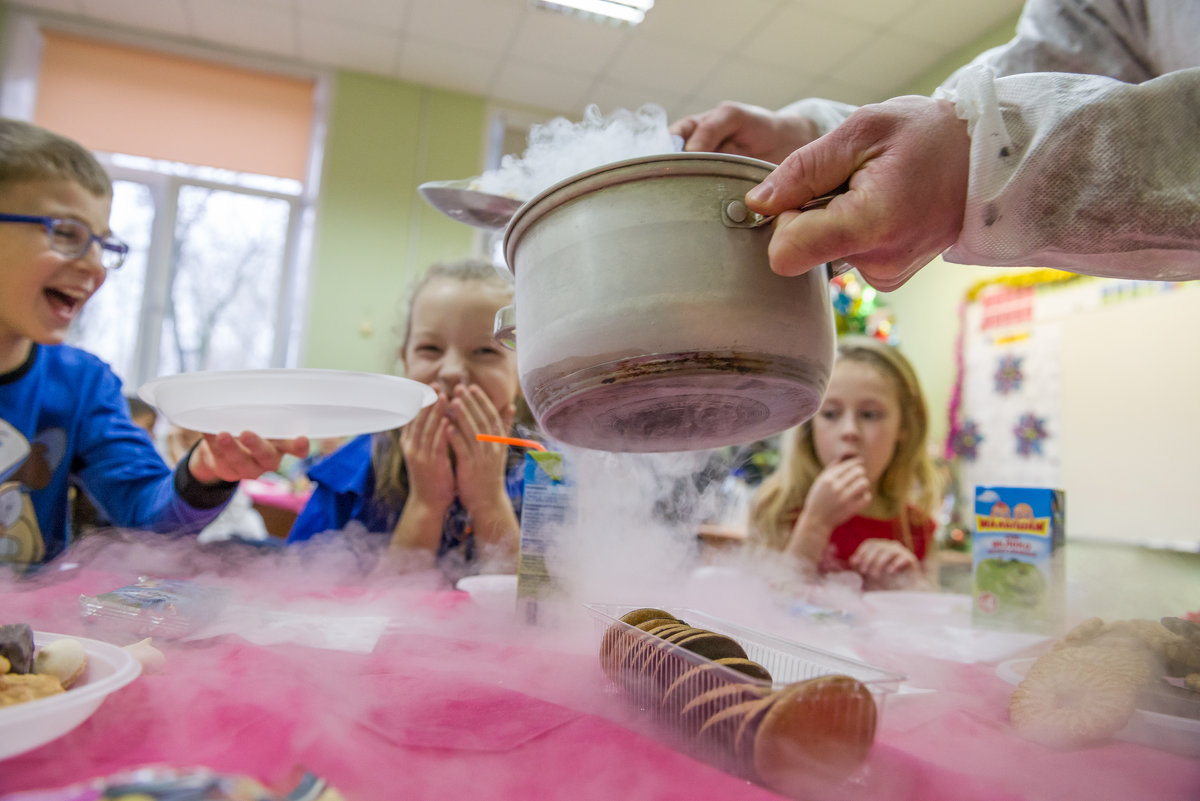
(649, 318)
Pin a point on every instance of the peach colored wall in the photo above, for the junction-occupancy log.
(121, 99)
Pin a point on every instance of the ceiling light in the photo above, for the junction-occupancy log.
(629, 12)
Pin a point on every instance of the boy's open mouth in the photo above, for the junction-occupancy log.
(62, 302)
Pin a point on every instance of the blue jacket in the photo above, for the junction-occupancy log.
(345, 492)
(68, 405)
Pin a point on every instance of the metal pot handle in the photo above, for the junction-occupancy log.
(504, 328)
(735, 214)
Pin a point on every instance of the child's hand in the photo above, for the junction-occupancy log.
(840, 492)
(879, 559)
(479, 466)
(427, 456)
(224, 457)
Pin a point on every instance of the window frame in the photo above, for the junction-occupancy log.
(164, 189)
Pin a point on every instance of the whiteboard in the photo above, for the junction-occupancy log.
(1130, 422)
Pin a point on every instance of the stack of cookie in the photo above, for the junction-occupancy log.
(724, 707)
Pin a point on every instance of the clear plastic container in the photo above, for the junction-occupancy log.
(740, 723)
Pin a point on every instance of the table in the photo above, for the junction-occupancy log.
(457, 700)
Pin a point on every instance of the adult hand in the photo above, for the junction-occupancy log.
(906, 161)
(745, 130)
(224, 457)
(841, 491)
(878, 559)
(478, 466)
(426, 446)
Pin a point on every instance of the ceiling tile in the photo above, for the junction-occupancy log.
(831, 87)
(559, 90)
(718, 25)
(962, 21)
(328, 41)
(163, 16)
(63, 6)
(557, 39)
(447, 66)
(798, 35)
(387, 14)
(257, 27)
(480, 24)
(663, 65)
(756, 83)
(869, 13)
(886, 62)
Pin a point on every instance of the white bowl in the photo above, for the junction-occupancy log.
(919, 606)
(493, 590)
(24, 727)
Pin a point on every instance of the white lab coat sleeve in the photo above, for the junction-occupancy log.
(826, 114)
(1084, 171)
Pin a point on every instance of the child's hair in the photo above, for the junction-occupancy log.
(908, 479)
(31, 153)
(391, 479)
(139, 410)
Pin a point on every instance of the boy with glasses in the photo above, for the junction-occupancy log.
(63, 418)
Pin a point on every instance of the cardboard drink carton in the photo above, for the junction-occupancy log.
(546, 510)
(1018, 578)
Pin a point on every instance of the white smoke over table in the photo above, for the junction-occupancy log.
(561, 148)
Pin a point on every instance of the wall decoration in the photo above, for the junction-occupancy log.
(1030, 432)
(1008, 376)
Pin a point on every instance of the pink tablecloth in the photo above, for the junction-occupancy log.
(436, 713)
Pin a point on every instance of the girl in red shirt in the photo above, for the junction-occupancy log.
(855, 487)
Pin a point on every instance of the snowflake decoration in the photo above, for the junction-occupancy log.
(1008, 375)
(1031, 433)
(965, 442)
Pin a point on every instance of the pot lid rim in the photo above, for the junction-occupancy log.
(638, 168)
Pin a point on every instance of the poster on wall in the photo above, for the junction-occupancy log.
(1073, 382)
(1011, 371)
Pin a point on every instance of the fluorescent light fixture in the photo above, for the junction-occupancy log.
(630, 12)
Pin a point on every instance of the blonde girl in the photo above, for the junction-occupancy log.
(431, 486)
(856, 487)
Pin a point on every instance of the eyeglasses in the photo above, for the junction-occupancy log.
(74, 239)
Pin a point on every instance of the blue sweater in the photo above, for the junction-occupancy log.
(68, 405)
(345, 492)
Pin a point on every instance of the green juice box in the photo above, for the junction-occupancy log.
(546, 511)
(1018, 575)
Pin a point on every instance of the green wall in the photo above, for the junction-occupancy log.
(926, 308)
(374, 234)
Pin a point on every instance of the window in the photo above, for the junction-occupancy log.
(208, 284)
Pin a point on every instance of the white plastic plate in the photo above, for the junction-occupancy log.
(1165, 732)
(24, 727)
(286, 403)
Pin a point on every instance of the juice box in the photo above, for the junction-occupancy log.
(546, 511)
(1018, 577)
